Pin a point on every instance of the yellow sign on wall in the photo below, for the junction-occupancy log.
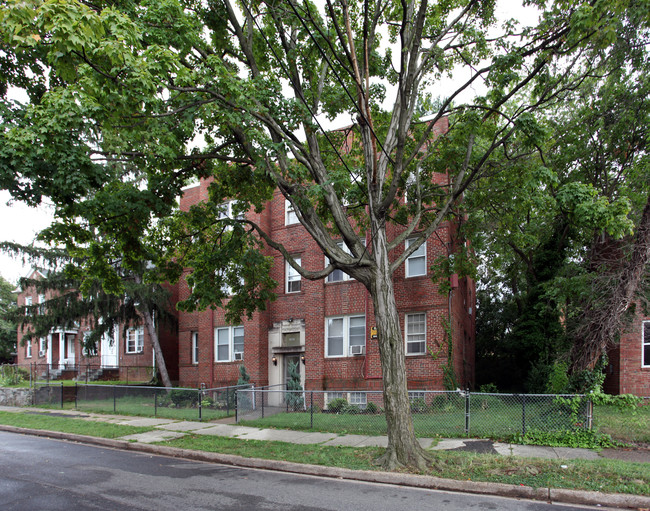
(373, 332)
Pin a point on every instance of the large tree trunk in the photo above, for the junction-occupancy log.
(403, 448)
(600, 325)
(155, 342)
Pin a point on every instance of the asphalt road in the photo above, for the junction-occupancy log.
(48, 475)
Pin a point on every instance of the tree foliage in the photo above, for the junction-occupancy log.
(7, 324)
(559, 240)
(135, 98)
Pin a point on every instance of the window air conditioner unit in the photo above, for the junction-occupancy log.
(41, 353)
(239, 356)
(357, 350)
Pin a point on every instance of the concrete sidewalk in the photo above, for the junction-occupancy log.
(167, 429)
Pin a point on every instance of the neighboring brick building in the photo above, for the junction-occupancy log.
(128, 355)
(327, 324)
(629, 363)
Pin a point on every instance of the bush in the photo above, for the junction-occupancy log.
(372, 408)
(418, 405)
(185, 397)
(337, 405)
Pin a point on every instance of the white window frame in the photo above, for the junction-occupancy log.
(645, 343)
(231, 334)
(42, 346)
(420, 253)
(135, 340)
(28, 303)
(344, 276)
(41, 307)
(194, 346)
(290, 217)
(359, 399)
(28, 349)
(413, 337)
(331, 396)
(292, 277)
(227, 213)
(345, 325)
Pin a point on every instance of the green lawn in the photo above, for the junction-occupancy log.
(76, 425)
(609, 476)
(490, 418)
(142, 406)
(624, 425)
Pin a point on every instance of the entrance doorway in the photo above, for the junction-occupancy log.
(292, 360)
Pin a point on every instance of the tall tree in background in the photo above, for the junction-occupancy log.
(124, 91)
(7, 324)
(570, 238)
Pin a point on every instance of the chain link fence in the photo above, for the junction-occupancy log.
(88, 373)
(459, 413)
(171, 403)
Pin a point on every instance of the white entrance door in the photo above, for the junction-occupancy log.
(109, 349)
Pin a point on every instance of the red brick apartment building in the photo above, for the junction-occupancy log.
(125, 355)
(629, 363)
(327, 325)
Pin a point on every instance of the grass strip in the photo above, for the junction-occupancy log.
(75, 425)
(609, 476)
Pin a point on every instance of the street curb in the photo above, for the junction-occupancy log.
(549, 495)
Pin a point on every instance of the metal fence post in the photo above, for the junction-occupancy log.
(114, 398)
(262, 404)
(155, 402)
(228, 402)
(523, 414)
(61, 394)
(590, 414)
(236, 407)
(75, 395)
(311, 408)
(200, 410)
(467, 412)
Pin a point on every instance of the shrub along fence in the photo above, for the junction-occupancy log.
(459, 413)
(171, 403)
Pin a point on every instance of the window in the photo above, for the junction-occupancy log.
(228, 211)
(89, 350)
(411, 193)
(229, 343)
(41, 307)
(416, 263)
(416, 394)
(343, 334)
(135, 340)
(645, 339)
(339, 275)
(359, 399)
(331, 396)
(195, 347)
(28, 303)
(42, 346)
(416, 334)
(290, 216)
(28, 349)
(293, 277)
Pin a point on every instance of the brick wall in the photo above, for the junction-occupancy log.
(318, 300)
(626, 373)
